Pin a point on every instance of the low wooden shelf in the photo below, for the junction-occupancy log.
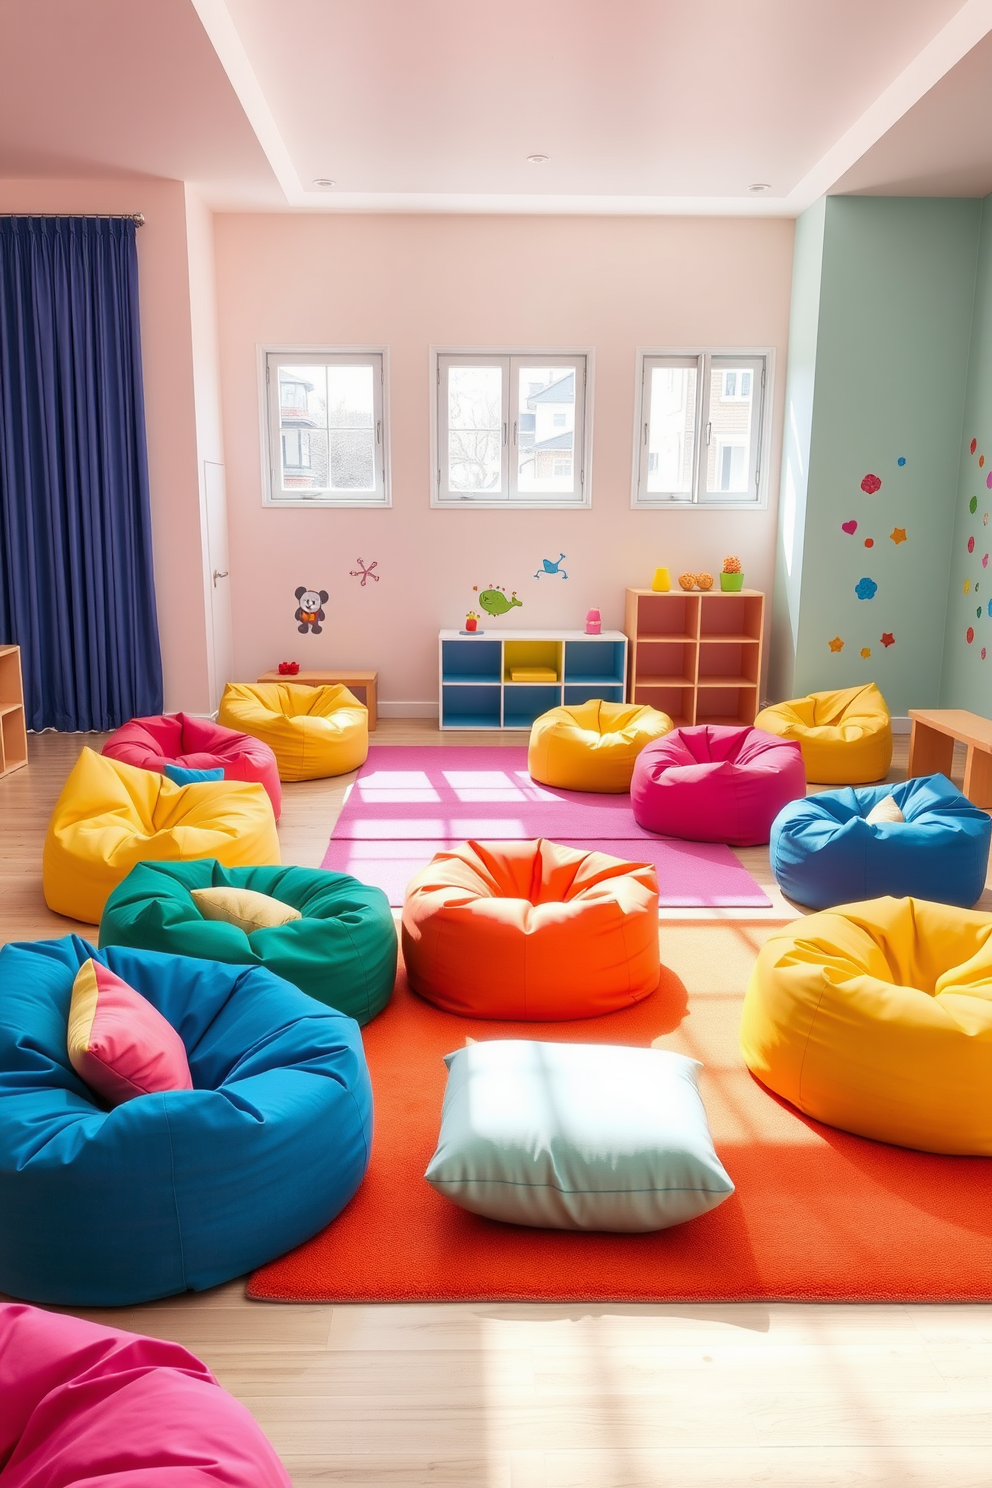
(696, 655)
(13, 730)
(475, 674)
(364, 682)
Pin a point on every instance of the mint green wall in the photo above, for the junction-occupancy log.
(893, 310)
(966, 678)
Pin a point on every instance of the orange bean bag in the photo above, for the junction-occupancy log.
(531, 930)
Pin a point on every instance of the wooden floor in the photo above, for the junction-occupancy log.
(557, 1397)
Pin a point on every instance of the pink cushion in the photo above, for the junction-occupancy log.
(196, 744)
(715, 784)
(118, 1043)
(83, 1404)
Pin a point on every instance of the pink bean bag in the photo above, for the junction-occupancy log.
(713, 784)
(196, 744)
(87, 1405)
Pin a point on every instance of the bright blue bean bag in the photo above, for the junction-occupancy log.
(176, 1190)
(823, 852)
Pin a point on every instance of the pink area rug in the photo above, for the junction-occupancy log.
(409, 803)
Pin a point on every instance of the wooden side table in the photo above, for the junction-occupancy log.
(931, 748)
(364, 682)
(13, 731)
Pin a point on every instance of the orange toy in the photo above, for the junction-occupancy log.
(531, 930)
(687, 581)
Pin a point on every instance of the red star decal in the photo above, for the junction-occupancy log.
(888, 639)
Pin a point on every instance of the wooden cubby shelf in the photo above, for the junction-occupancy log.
(13, 731)
(696, 656)
(477, 689)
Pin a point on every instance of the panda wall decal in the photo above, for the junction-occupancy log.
(310, 609)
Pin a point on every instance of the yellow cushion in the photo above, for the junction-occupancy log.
(245, 908)
(845, 737)
(111, 816)
(885, 811)
(312, 731)
(877, 1018)
(592, 746)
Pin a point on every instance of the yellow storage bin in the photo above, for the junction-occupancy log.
(845, 737)
(111, 816)
(592, 746)
(313, 731)
(877, 1018)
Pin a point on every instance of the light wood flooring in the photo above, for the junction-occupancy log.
(536, 1396)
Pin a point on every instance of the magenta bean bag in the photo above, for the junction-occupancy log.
(715, 784)
(196, 744)
(87, 1405)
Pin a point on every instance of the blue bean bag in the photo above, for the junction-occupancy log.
(183, 1189)
(823, 852)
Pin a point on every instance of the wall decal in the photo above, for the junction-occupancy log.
(866, 588)
(985, 563)
(308, 609)
(365, 573)
(985, 520)
(888, 639)
(865, 652)
(983, 653)
(898, 535)
(969, 635)
(871, 484)
(901, 460)
(988, 480)
(967, 586)
(971, 545)
(849, 527)
(869, 542)
(494, 601)
(973, 504)
(549, 567)
(836, 644)
(973, 446)
(981, 461)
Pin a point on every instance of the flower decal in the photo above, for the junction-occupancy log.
(866, 588)
(871, 484)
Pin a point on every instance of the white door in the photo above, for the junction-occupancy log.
(221, 656)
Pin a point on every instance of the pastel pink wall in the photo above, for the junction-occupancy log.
(170, 414)
(411, 282)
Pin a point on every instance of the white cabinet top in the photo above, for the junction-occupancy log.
(503, 632)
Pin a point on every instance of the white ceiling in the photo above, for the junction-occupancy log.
(641, 105)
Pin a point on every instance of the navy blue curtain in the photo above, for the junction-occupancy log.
(77, 592)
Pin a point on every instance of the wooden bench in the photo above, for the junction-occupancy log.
(931, 748)
(365, 682)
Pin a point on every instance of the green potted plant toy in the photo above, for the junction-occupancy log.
(731, 579)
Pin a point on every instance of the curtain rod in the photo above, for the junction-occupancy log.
(138, 218)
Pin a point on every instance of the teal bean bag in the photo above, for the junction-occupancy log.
(341, 952)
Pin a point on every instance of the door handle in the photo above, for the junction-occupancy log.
(219, 575)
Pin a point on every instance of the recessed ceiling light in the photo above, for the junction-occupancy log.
(538, 159)
(323, 181)
(757, 186)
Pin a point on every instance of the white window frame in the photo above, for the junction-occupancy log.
(269, 358)
(756, 499)
(509, 359)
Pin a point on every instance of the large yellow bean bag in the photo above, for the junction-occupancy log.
(592, 746)
(111, 816)
(877, 1018)
(313, 731)
(845, 737)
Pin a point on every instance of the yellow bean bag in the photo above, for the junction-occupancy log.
(877, 1018)
(111, 816)
(313, 731)
(845, 737)
(592, 746)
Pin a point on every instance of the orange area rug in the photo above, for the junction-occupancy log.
(818, 1215)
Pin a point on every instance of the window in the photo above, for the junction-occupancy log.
(700, 429)
(326, 441)
(510, 429)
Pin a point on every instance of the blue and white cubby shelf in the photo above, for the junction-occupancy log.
(477, 689)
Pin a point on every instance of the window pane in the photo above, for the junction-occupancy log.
(475, 418)
(545, 418)
(302, 413)
(352, 459)
(672, 430)
(729, 460)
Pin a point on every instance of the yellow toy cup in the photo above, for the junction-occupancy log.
(662, 580)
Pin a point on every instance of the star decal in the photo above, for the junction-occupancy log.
(836, 644)
(888, 639)
(866, 652)
(898, 535)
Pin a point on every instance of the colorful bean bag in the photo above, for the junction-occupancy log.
(88, 1405)
(716, 784)
(181, 1189)
(845, 737)
(592, 746)
(877, 1018)
(342, 950)
(531, 930)
(824, 850)
(196, 744)
(312, 731)
(111, 816)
